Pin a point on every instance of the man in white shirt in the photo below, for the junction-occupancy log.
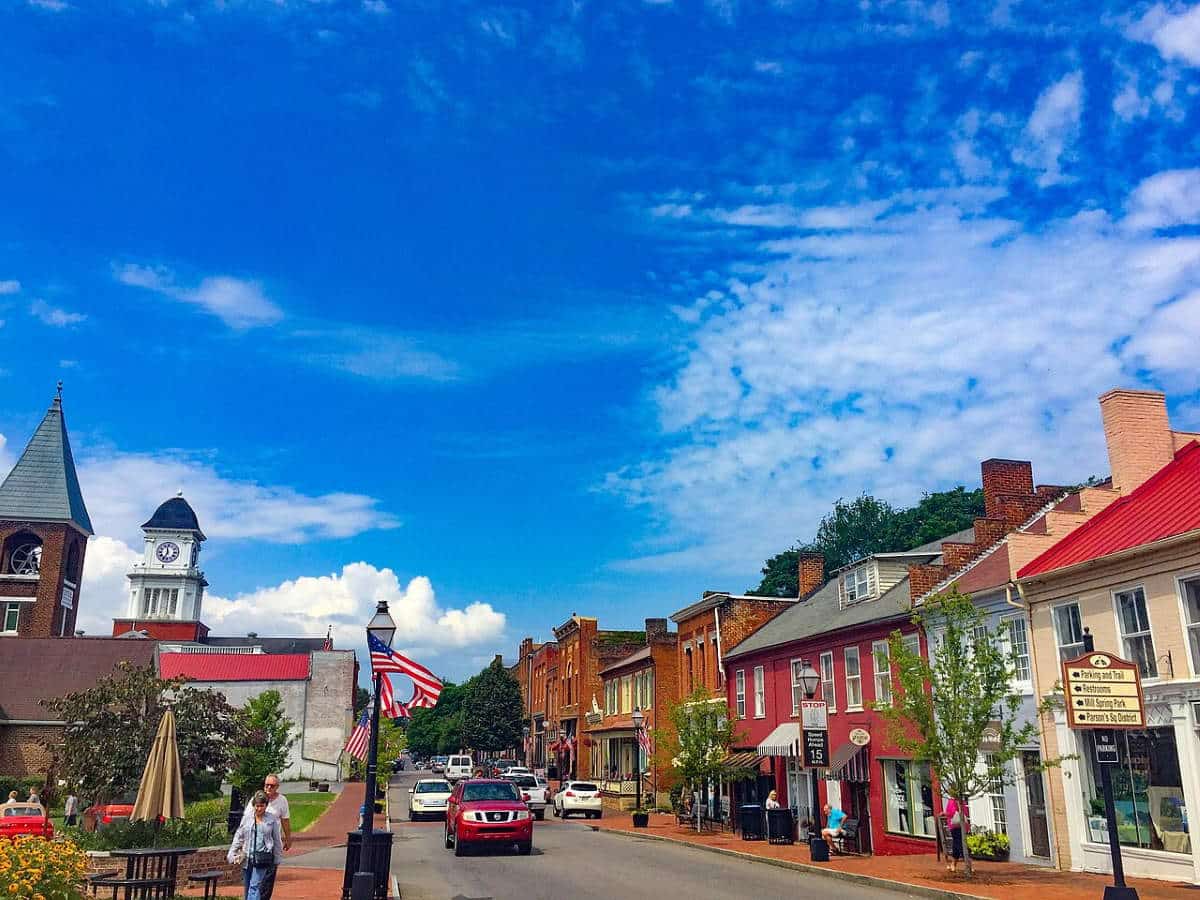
(276, 804)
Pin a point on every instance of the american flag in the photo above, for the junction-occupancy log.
(388, 704)
(426, 685)
(643, 739)
(359, 737)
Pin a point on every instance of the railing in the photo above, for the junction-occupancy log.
(622, 788)
(206, 649)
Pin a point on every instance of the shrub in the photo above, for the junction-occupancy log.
(21, 784)
(34, 867)
(205, 826)
(985, 845)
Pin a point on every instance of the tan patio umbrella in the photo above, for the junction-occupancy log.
(161, 790)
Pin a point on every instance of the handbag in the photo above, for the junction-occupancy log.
(956, 820)
(258, 859)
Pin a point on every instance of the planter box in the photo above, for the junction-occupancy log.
(641, 820)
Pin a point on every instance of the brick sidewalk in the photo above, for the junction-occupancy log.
(996, 881)
(330, 829)
(293, 883)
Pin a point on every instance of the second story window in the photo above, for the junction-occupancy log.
(1135, 631)
(1190, 591)
(857, 584)
(881, 661)
(760, 692)
(797, 687)
(854, 698)
(1068, 631)
(828, 694)
(691, 671)
(739, 686)
(1014, 640)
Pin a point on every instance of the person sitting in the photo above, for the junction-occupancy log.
(833, 823)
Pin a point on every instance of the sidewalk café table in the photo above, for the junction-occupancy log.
(149, 872)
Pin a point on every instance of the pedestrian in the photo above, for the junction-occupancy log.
(71, 810)
(258, 847)
(12, 798)
(833, 823)
(773, 800)
(955, 819)
(34, 796)
(278, 805)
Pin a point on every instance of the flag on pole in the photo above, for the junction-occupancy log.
(426, 685)
(360, 737)
(388, 704)
(327, 644)
(643, 739)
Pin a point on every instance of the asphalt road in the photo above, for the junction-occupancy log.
(572, 862)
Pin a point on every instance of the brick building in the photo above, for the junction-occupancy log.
(543, 669)
(647, 680)
(44, 527)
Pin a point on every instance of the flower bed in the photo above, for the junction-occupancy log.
(34, 867)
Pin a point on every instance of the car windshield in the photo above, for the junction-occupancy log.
(490, 790)
(523, 780)
(23, 811)
(583, 786)
(433, 787)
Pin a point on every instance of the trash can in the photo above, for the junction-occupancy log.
(780, 826)
(379, 863)
(751, 821)
(818, 849)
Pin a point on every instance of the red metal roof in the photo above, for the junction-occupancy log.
(1167, 504)
(235, 666)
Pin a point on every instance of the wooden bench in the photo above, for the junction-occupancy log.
(210, 879)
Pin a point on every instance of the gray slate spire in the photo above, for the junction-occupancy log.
(43, 486)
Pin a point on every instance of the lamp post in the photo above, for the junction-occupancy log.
(809, 679)
(383, 628)
(526, 746)
(639, 719)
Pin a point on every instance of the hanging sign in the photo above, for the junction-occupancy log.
(1103, 691)
(816, 748)
(814, 714)
(860, 737)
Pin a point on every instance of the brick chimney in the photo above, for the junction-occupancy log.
(656, 630)
(1004, 479)
(1138, 434)
(812, 571)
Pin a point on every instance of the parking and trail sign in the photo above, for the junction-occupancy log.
(1103, 691)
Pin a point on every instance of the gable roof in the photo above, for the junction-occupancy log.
(235, 666)
(43, 485)
(1165, 505)
(68, 664)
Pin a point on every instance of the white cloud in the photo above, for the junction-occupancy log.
(1176, 35)
(1166, 199)
(49, 5)
(894, 355)
(1052, 129)
(238, 303)
(10, 286)
(103, 593)
(378, 7)
(53, 315)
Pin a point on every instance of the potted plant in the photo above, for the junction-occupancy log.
(989, 846)
(641, 817)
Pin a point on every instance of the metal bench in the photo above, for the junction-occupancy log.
(210, 879)
(138, 888)
(95, 877)
(848, 834)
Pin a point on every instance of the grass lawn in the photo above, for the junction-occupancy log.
(307, 807)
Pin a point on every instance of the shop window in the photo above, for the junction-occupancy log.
(853, 679)
(908, 791)
(1190, 590)
(1135, 631)
(1068, 631)
(1147, 791)
(828, 693)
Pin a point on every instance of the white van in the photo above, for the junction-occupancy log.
(458, 768)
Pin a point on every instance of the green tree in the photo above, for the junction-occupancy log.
(361, 698)
(936, 516)
(393, 741)
(492, 711)
(703, 733)
(112, 725)
(267, 736)
(942, 707)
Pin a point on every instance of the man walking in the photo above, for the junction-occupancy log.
(277, 804)
(71, 810)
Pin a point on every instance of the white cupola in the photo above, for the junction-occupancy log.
(167, 583)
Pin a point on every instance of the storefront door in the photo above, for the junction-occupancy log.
(859, 808)
(799, 789)
(1039, 832)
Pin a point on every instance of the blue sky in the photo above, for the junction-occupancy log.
(505, 312)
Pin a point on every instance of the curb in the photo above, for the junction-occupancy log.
(913, 890)
(393, 882)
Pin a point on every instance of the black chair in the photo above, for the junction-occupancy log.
(210, 879)
(848, 834)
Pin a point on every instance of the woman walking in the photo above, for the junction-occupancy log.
(258, 846)
(955, 819)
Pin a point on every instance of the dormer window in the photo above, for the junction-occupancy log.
(858, 584)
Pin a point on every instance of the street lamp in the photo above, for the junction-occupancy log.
(525, 745)
(639, 719)
(808, 682)
(383, 628)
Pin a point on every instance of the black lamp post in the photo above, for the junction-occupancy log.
(526, 746)
(383, 628)
(809, 679)
(639, 719)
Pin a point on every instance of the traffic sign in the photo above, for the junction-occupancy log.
(816, 748)
(1103, 691)
(814, 714)
(1106, 747)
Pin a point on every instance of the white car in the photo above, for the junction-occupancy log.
(578, 797)
(533, 791)
(458, 767)
(514, 770)
(428, 797)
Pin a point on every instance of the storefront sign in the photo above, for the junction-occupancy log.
(989, 741)
(816, 748)
(860, 737)
(814, 714)
(1103, 691)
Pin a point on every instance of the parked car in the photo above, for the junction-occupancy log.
(100, 815)
(532, 792)
(488, 810)
(578, 797)
(458, 767)
(427, 798)
(25, 818)
(516, 770)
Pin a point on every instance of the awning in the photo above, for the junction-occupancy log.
(741, 759)
(849, 764)
(783, 741)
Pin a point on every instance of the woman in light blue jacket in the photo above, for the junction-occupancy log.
(258, 846)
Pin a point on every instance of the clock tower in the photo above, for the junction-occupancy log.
(166, 588)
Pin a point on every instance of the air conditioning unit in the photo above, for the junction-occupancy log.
(1196, 713)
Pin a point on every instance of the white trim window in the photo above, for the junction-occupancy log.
(1068, 630)
(1135, 630)
(11, 618)
(760, 692)
(739, 687)
(796, 666)
(883, 672)
(854, 698)
(995, 793)
(857, 584)
(1189, 593)
(912, 643)
(828, 692)
(1014, 641)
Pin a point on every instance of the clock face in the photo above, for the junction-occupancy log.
(167, 551)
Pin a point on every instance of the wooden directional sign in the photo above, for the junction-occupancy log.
(1103, 691)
